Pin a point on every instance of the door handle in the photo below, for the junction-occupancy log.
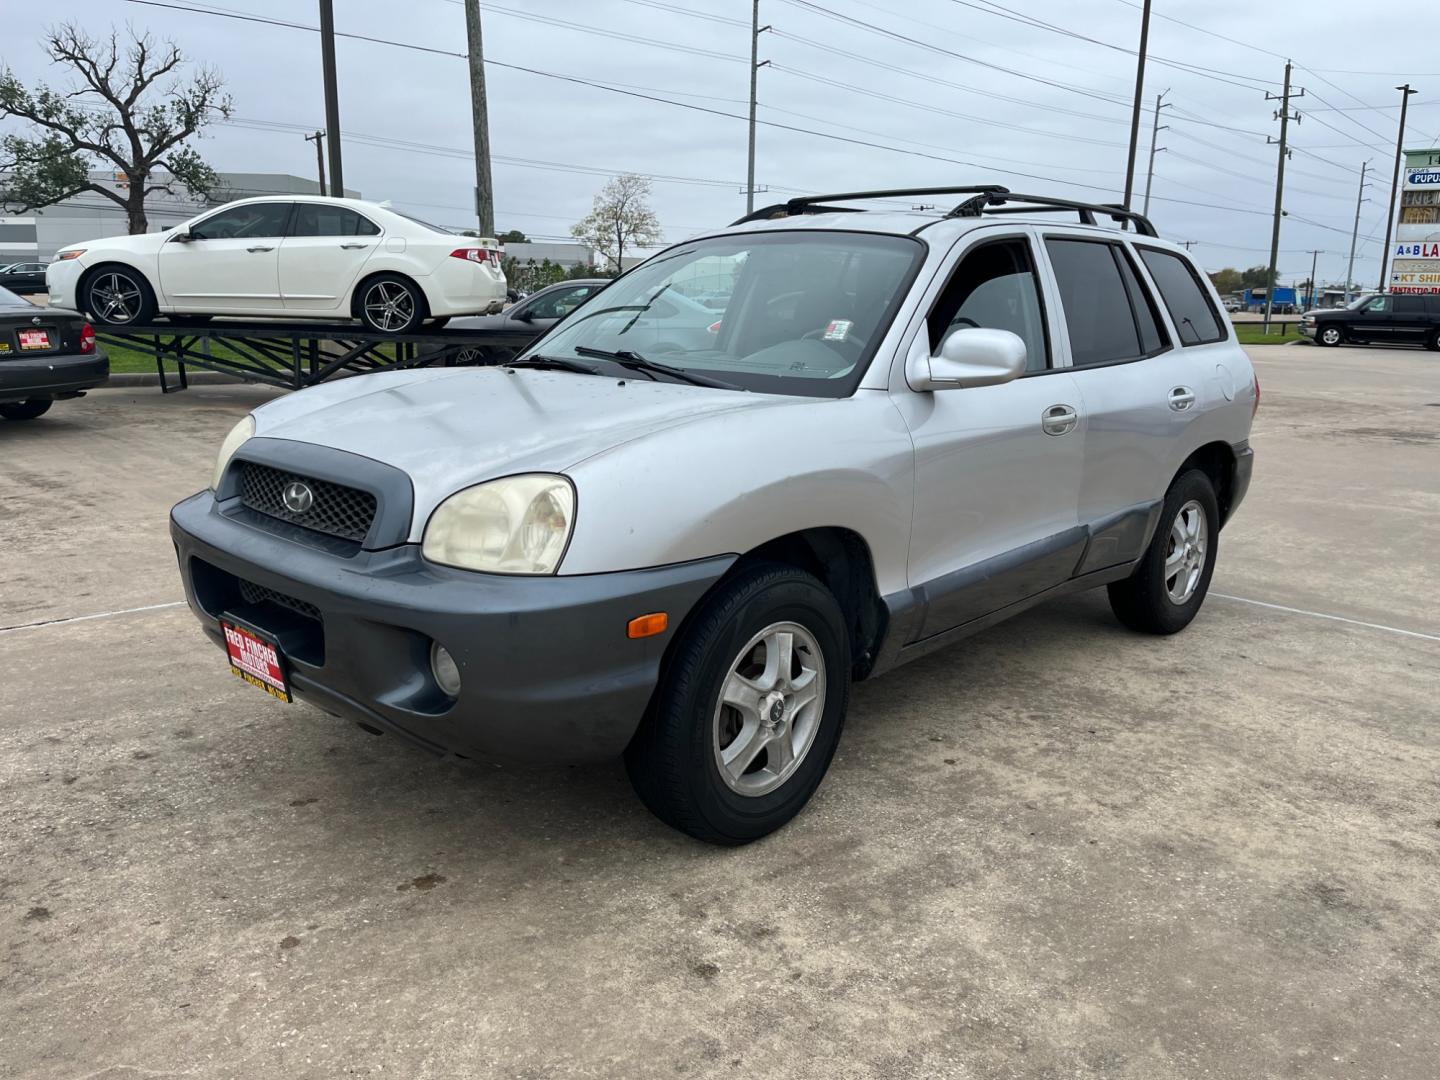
(258, 247)
(1181, 398)
(351, 247)
(1059, 420)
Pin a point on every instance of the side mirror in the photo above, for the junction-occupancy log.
(181, 236)
(527, 315)
(969, 358)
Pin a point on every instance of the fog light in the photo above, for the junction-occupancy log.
(444, 668)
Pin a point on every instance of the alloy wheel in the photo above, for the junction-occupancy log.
(115, 298)
(769, 711)
(389, 306)
(1330, 335)
(1185, 553)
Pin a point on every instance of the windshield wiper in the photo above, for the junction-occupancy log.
(627, 358)
(553, 363)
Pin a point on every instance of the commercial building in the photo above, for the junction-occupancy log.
(37, 234)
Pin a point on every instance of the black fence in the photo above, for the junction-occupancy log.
(296, 355)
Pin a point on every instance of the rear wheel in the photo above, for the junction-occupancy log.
(26, 410)
(391, 304)
(748, 710)
(1330, 335)
(1170, 582)
(1433, 341)
(119, 296)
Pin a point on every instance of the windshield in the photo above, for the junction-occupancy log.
(780, 312)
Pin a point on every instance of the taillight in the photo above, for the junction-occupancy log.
(87, 338)
(476, 255)
(1255, 405)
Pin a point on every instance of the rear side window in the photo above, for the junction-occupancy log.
(1409, 305)
(1185, 298)
(1109, 315)
(320, 219)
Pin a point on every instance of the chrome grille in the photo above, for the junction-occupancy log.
(336, 510)
(259, 594)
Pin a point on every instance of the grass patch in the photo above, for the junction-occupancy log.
(1280, 332)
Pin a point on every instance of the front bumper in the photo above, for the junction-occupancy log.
(25, 377)
(1306, 329)
(547, 670)
(61, 280)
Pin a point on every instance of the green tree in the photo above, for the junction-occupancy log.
(1228, 280)
(620, 217)
(1259, 277)
(514, 236)
(117, 116)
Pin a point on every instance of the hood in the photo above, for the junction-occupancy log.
(140, 242)
(450, 428)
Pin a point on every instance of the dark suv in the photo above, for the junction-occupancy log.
(1411, 320)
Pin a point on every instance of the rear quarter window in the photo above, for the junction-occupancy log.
(1196, 320)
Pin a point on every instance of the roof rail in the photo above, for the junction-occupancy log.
(999, 204)
(814, 204)
(984, 199)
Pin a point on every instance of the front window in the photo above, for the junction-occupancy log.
(246, 221)
(1379, 305)
(797, 312)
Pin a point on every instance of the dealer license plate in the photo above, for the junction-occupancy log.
(256, 657)
(34, 339)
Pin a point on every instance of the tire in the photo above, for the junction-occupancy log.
(1153, 602)
(1433, 341)
(674, 761)
(26, 410)
(118, 296)
(1329, 335)
(391, 304)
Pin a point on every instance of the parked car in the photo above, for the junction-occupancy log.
(45, 356)
(23, 278)
(1388, 317)
(292, 257)
(908, 427)
(1232, 305)
(531, 316)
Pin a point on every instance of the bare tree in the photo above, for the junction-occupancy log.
(116, 116)
(621, 217)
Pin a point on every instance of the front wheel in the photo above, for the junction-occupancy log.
(119, 296)
(25, 410)
(391, 304)
(1330, 335)
(748, 710)
(1169, 584)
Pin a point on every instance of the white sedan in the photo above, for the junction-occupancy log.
(306, 257)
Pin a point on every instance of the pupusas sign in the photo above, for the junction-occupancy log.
(1423, 178)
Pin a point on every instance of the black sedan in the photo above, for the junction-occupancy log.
(23, 277)
(533, 315)
(46, 355)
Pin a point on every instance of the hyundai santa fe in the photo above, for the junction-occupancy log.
(683, 548)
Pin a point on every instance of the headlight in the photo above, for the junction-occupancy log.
(238, 434)
(517, 525)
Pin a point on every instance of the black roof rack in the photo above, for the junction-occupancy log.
(984, 199)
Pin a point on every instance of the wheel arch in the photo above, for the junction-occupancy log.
(1217, 461)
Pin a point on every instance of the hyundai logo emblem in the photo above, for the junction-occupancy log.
(297, 497)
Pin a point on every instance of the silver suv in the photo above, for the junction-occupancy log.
(680, 537)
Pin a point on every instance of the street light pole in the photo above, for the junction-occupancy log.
(332, 98)
(1355, 234)
(1154, 136)
(1405, 93)
(1139, 94)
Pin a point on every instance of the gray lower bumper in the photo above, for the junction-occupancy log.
(23, 378)
(548, 672)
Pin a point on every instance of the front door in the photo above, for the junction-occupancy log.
(323, 255)
(553, 304)
(997, 468)
(1372, 321)
(229, 264)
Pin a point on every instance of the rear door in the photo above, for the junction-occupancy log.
(1409, 320)
(323, 254)
(229, 264)
(997, 468)
(1138, 391)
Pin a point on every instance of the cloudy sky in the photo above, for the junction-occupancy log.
(858, 93)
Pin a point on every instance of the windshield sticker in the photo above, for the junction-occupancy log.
(837, 330)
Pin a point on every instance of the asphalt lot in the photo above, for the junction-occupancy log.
(1056, 850)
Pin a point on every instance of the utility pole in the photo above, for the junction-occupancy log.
(1284, 117)
(317, 139)
(755, 31)
(332, 99)
(1405, 93)
(1154, 136)
(1314, 258)
(1355, 234)
(1189, 243)
(484, 191)
(1139, 93)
